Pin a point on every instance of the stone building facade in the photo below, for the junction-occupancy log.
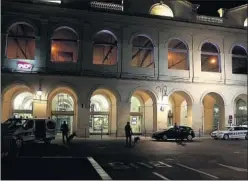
(98, 68)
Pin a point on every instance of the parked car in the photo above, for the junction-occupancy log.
(186, 133)
(233, 132)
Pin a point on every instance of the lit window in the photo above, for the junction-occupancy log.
(64, 46)
(245, 23)
(239, 60)
(210, 58)
(177, 55)
(23, 101)
(135, 104)
(105, 49)
(62, 102)
(99, 103)
(161, 9)
(142, 52)
(21, 42)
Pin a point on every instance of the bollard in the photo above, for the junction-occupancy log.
(85, 132)
(145, 133)
(116, 134)
(199, 132)
(101, 133)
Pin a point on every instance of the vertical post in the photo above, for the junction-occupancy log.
(85, 132)
(116, 133)
(145, 133)
(199, 132)
(101, 132)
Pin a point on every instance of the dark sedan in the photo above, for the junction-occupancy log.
(184, 133)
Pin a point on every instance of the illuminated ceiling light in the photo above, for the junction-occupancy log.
(213, 61)
(53, 48)
(245, 23)
(39, 92)
(161, 9)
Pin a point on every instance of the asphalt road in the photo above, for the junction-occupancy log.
(149, 160)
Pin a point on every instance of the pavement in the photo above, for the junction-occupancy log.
(106, 159)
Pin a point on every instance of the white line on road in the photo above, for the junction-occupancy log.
(99, 169)
(144, 164)
(234, 168)
(204, 173)
(57, 157)
(164, 164)
(160, 176)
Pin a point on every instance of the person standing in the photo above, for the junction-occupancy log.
(176, 128)
(128, 132)
(65, 129)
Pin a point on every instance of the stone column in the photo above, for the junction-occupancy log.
(123, 115)
(197, 119)
(162, 118)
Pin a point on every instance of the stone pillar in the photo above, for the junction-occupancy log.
(123, 115)
(162, 118)
(40, 108)
(83, 117)
(197, 119)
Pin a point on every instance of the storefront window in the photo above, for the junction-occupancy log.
(62, 102)
(241, 112)
(135, 104)
(21, 42)
(99, 118)
(23, 105)
(136, 115)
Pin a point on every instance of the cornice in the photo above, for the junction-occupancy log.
(84, 15)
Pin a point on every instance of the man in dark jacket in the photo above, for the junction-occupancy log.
(128, 131)
(65, 129)
(176, 128)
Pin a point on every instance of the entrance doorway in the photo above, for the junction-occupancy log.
(136, 124)
(99, 123)
(63, 110)
(60, 119)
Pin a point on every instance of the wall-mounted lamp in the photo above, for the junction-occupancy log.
(163, 93)
(39, 91)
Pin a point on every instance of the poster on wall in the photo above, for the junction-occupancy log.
(134, 120)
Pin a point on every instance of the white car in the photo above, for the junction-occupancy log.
(234, 132)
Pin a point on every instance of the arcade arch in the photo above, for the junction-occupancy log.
(240, 107)
(180, 105)
(17, 101)
(143, 112)
(62, 106)
(213, 112)
(103, 113)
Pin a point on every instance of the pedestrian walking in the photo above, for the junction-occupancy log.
(176, 129)
(64, 129)
(128, 132)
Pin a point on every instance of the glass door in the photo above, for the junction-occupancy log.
(98, 122)
(136, 124)
(59, 121)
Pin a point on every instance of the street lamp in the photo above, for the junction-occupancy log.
(39, 92)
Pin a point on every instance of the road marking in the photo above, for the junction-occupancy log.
(160, 176)
(99, 169)
(234, 168)
(146, 165)
(165, 164)
(135, 166)
(204, 173)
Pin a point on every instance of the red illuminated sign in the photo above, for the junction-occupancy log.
(24, 66)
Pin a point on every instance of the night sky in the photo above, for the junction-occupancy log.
(211, 7)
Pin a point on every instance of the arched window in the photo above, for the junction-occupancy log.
(161, 9)
(239, 60)
(23, 101)
(21, 42)
(64, 45)
(210, 61)
(105, 49)
(241, 112)
(99, 103)
(177, 55)
(62, 102)
(142, 52)
(245, 23)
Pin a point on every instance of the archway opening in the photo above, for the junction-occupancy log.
(103, 114)
(142, 109)
(180, 105)
(240, 116)
(17, 101)
(213, 112)
(63, 108)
